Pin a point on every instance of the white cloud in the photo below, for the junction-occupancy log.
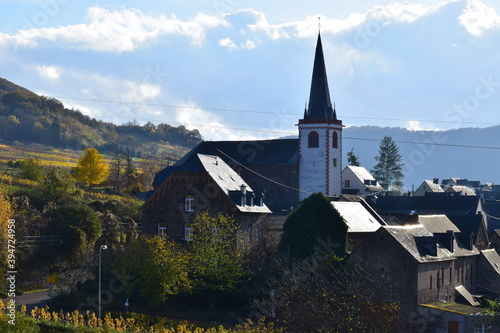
(478, 18)
(48, 72)
(120, 31)
(230, 44)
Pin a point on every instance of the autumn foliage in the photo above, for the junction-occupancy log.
(91, 168)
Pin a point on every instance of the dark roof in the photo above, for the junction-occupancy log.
(425, 205)
(468, 224)
(161, 176)
(320, 105)
(247, 153)
(492, 209)
(250, 153)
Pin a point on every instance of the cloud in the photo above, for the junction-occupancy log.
(387, 14)
(230, 44)
(48, 72)
(119, 31)
(478, 18)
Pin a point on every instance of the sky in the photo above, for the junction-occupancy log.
(239, 69)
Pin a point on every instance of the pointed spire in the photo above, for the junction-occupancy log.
(320, 105)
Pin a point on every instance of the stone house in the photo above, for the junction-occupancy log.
(203, 183)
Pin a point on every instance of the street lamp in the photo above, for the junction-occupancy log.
(103, 247)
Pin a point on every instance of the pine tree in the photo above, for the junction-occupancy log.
(389, 169)
(352, 159)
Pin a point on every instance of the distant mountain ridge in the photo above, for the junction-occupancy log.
(28, 118)
(461, 153)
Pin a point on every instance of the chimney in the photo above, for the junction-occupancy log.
(435, 180)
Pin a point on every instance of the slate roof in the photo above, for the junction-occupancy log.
(247, 153)
(493, 259)
(468, 224)
(320, 105)
(437, 223)
(492, 209)
(357, 217)
(464, 190)
(432, 187)
(227, 179)
(424, 246)
(425, 205)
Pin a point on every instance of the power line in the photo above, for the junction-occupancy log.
(260, 175)
(260, 112)
(429, 143)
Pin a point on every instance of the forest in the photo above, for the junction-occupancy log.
(27, 118)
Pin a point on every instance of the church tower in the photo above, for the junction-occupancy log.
(320, 137)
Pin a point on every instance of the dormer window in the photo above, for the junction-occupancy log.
(313, 140)
(189, 203)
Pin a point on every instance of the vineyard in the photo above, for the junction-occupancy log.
(43, 320)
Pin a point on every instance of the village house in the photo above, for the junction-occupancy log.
(358, 181)
(203, 183)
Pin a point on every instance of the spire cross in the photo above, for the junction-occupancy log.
(319, 23)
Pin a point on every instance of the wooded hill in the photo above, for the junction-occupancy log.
(28, 118)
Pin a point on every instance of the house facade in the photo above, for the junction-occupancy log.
(359, 180)
(203, 183)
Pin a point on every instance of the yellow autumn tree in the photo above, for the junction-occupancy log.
(5, 221)
(91, 168)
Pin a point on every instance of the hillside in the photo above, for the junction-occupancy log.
(27, 118)
(432, 154)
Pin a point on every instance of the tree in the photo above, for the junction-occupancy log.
(91, 168)
(334, 296)
(159, 267)
(216, 262)
(314, 227)
(5, 225)
(352, 159)
(388, 170)
(30, 169)
(58, 184)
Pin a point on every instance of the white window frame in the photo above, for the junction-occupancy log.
(482, 328)
(215, 232)
(188, 229)
(189, 203)
(162, 230)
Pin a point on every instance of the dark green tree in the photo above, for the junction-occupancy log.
(59, 183)
(389, 169)
(352, 159)
(314, 228)
(159, 268)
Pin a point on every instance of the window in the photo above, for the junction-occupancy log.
(347, 183)
(313, 140)
(250, 233)
(442, 275)
(335, 140)
(189, 203)
(482, 328)
(215, 232)
(430, 284)
(451, 277)
(437, 281)
(334, 162)
(188, 229)
(162, 230)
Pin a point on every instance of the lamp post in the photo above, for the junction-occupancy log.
(103, 247)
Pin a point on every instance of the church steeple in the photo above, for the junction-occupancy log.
(320, 137)
(320, 105)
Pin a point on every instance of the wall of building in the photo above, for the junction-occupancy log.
(166, 208)
(320, 169)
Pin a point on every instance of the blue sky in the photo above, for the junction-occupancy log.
(239, 69)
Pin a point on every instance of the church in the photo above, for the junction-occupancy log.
(253, 179)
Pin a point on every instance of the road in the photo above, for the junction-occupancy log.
(39, 299)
